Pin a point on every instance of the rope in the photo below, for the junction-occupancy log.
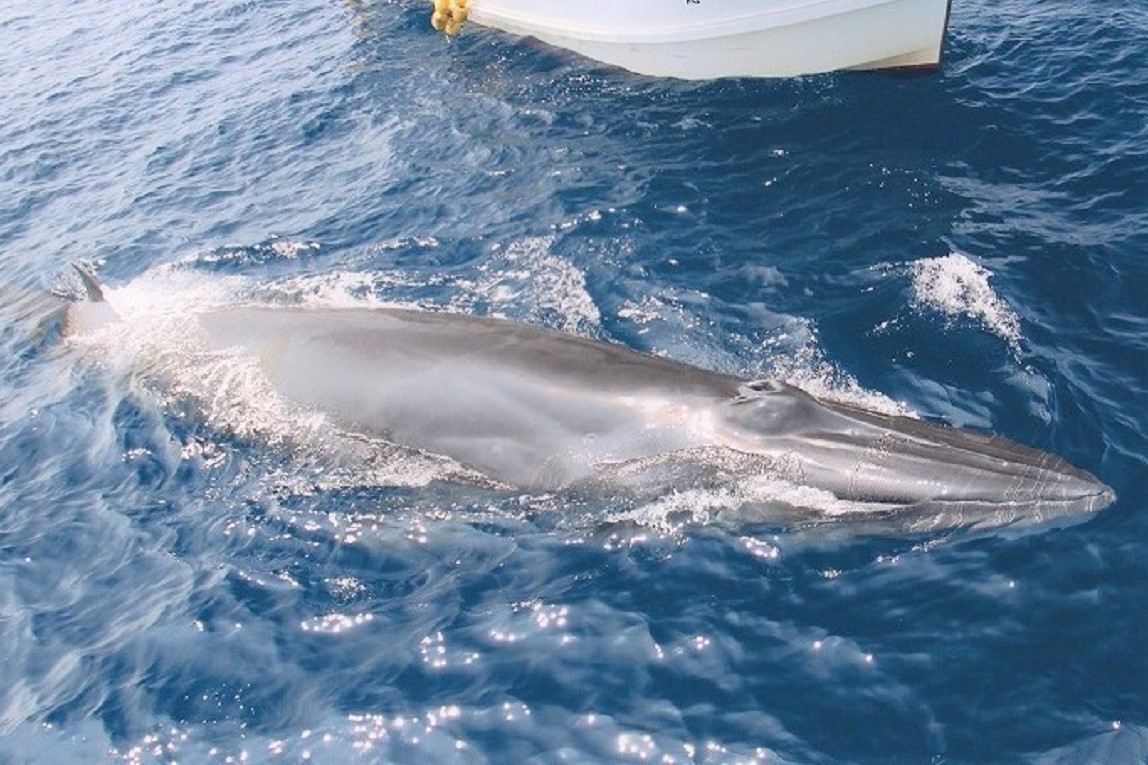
(449, 15)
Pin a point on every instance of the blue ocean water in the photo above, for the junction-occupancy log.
(970, 244)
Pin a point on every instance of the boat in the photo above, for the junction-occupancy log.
(707, 39)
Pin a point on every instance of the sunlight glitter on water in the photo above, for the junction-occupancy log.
(173, 587)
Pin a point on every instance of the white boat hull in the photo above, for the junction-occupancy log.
(731, 38)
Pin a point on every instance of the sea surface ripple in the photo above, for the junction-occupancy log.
(967, 244)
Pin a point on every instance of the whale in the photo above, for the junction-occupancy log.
(536, 409)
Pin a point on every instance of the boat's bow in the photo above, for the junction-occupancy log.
(754, 38)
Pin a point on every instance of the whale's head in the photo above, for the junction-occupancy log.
(865, 456)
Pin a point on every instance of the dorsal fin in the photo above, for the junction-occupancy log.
(93, 290)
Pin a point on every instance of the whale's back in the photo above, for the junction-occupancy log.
(525, 405)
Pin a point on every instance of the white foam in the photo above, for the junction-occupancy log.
(773, 497)
(957, 286)
(796, 356)
(525, 280)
